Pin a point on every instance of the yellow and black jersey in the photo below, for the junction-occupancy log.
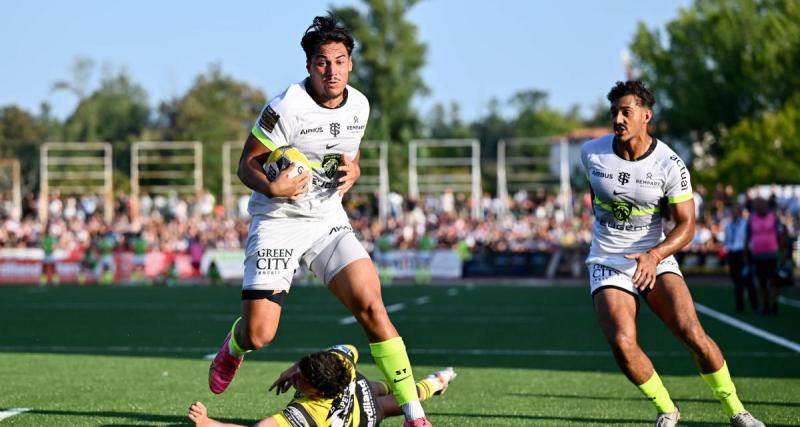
(355, 407)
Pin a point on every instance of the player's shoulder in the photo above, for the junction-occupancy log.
(598, 145)
(666, 156)
(355, 96)
(294, 97)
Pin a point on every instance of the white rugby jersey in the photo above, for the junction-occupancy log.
(322, 134)
(627, 196)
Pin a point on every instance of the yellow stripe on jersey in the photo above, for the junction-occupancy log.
(634, 212)
(261, 136)
(680, 198)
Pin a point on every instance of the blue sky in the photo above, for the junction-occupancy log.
(477, 50)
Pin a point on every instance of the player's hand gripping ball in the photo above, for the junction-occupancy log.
(281, 158)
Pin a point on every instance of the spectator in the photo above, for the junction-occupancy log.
(735, 247)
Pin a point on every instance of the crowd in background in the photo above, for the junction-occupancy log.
(527, 221)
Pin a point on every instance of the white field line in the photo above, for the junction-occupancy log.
(11, 412)
(789, 301)
(746, 327)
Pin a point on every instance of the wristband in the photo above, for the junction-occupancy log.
(655, 254)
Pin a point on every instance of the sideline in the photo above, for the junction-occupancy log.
(11, 412)
(746, 327)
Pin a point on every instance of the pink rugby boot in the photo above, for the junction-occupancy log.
(223, 368)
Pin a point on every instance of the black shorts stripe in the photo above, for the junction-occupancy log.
(268, 294)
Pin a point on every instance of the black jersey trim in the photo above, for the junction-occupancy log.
(617, 151)
(307, 87)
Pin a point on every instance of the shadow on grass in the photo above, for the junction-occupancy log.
(677, 399)
(161, 420)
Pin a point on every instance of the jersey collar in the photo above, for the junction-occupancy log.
(649, 151)
(308, 91)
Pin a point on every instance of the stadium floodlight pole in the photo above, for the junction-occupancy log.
(108, 190)
(227, 197)
(198, 168)
(477, 212)
(383, 184)
(566, 188)
(413, 185)
(16, 191)
(135, 180)
(502, 179)
(44, 186)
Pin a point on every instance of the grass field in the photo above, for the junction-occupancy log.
(526, 356)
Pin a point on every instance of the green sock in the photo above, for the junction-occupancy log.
(721, 384)
(233, 347)
(392, 359)
(654, 390)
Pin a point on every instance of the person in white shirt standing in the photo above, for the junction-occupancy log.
(736, 256)
(634, 178)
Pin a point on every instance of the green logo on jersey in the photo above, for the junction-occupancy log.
(621, 209)
(330, 163)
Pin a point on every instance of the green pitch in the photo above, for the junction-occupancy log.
(526, 356)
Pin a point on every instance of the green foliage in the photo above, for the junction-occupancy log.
(718, 64)
(116, 112)
(767, 147)
(216, 109)
(387, 67)
(20, 136)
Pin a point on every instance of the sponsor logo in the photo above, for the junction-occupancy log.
(334, 128)
(684, 173)
(355, 127)
(601, 174)
(324, 184)
(268, 119)
(294, 416)
(648, 183)
(624, 227)
(329, 146)
(272, 261)
(311, 130)
(339, 228)
(621, 209)
(330, 164)
(401, 372)
(619, 193)
(602, 272)
(367, 404)
(624, 178)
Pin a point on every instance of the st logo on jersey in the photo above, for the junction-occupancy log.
(335, 129)
(330, 164)
(624, 177)
(621, 209)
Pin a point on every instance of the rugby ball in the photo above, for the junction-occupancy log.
(281, 158)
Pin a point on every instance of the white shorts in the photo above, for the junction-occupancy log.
(277, 246)
(618, 272)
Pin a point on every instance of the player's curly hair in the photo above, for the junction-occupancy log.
(326, 29)
(326, 372)
(635, 88)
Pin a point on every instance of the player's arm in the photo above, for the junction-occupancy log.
(683, 214)
(352, 171)
(251, 173)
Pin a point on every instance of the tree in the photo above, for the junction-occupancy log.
(216, 109)
(387, 69)
(20, 136)
(767, 147)
(536, 119)
(718, 63)
(447, 123)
